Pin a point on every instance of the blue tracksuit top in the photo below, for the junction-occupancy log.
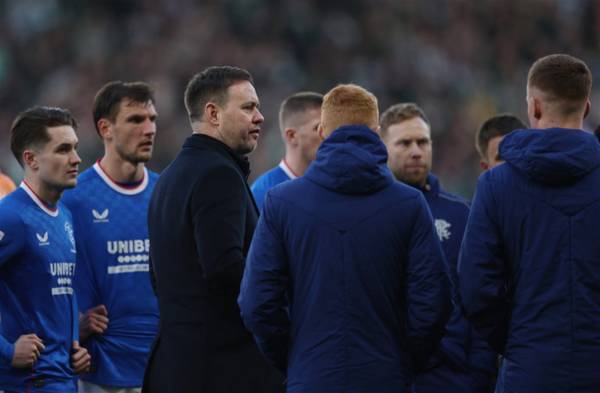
(37, 266)
(462, 348)
(268, 180)
(113, 269)
(529, 269)
(345, 286)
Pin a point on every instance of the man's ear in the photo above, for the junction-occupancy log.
(588, 105)
(212, 113)
(104, 128)
(290, 136)
(322, 132)
(537, 108)
(30, 159)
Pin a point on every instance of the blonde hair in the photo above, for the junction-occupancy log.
(349, 105)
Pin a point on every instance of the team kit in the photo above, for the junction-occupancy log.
(345, 268)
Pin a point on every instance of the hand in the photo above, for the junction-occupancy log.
(94, 321)
(80, 359)
(27, 351)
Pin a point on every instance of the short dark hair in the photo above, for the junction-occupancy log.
(297, 103)
(30, 127)
(499, 125)
(211, 85)
(108, 98)
(563, 78)
(400, 112)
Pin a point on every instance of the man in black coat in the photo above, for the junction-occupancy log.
(201, 220)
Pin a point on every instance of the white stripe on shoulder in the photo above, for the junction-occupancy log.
(287, 170)
(118, 188)
(38, 201)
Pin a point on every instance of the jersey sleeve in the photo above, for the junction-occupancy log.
(12, 235)
(84, 282)
(7, 351)
(12, 241)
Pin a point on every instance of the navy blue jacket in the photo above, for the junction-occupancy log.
(462, 349)
(450, 214)
(345, 285)
(529, 269)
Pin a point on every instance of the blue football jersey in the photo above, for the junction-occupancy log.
(113, 269)
(37, 268)
(268, 180)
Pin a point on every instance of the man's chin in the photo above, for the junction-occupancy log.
(247, 149)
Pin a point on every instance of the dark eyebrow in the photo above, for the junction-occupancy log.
(65, 146)
(139, 117)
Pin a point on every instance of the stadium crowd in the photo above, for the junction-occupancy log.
(463, 61)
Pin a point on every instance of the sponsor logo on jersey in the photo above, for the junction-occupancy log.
(132, 255)
(442, 227)
(100, 217)
(128, 246)
(43, 239)
(63, 272)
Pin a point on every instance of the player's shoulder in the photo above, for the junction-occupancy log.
(87, 176)
(64, 209)
(454, 200)
(88, 185)
(12, 207)
(152, 176)
(270, 178)
(86, 180)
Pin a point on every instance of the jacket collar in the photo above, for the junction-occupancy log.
(431, 187)
(203, 141)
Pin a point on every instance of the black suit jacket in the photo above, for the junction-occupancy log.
(201, 219)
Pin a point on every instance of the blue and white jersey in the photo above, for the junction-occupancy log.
(37, 267)
(113, 269)
(270, 179)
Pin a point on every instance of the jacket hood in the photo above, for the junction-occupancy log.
(352, 160)
(553, 156)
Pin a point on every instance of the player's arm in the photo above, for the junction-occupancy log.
(482, 271)
(93, 318)
(25, 351)
(262, 298)
(218, 207)
(427, 287)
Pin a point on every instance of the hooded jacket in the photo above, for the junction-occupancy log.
(345, 286)
(529, 269)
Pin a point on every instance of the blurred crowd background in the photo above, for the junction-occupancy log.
(461, 60)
